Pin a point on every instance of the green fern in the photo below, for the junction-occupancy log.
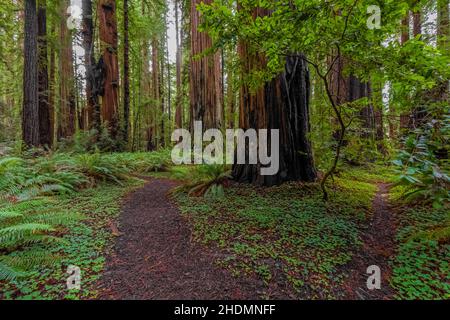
(21, 264)
(25, 237)
(9, 273)
(205, 180)
(4, 215)
(16, 233)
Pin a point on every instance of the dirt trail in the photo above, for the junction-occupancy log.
(155, 258)
(378, 247)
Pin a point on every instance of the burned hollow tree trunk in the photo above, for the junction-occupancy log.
(283, 104)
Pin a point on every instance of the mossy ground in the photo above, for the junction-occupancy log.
(421, 268)
(280, 235)
(287, 231)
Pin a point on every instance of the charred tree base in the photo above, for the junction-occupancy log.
(285, 106)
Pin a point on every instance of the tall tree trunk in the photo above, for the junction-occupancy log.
(418, 113)
(346, 89)
(179, 98)
(30, 112)
(67, 89)
(126, 72)
(417, 23)
(443, 33)
(156, 86)
(405, 30)
(45, 132)
(231, 98)
(404, 117)
(169, 76)
(52, 86)
(358, 90)
(443, 29)
(205, 77)
(145, 110)
(162, 102)
(109, 44)
(92, 104)
(282, 104)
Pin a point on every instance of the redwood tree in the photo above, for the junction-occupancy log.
(179, 103)
(283, 104)
(109, 45)
(443, 33)
(126, 71)
(205, 76)
(30, 112)
(92, 110)
(45, 128)
(67, 111)
(345, 89)
(443, 28)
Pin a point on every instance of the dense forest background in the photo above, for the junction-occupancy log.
(92, 91)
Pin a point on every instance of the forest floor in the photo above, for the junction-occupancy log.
(140, 240)
(155, 257)
(378, 247)
(158, 256)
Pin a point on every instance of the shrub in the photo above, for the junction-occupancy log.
(420, 166)
(204, 180)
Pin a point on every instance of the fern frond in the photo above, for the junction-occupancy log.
(31, 240)
(19, 232)
(5, 215)
(9, 273)
(60, 218)
(30, 259)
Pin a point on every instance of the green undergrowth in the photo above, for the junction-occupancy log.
(370, 173)
(285, 234)
(85, 242)
(421, 268)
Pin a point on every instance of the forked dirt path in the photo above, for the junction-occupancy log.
(154, 256)
(378, 247)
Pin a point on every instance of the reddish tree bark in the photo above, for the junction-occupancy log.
(405, 30)
(156, 85)
(404, 117)
(346, 89)
(205, 77)
(67, 112)
(417, 23)
(109, 44)
(30, 112)
(126, 72)
(443, 33)
(443, 29)
(52, 86)
(179, 98)
(283, 104)
(91, 112)
(45, 130)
